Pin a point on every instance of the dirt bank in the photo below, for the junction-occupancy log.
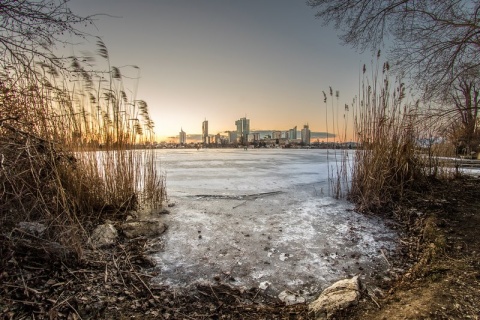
(443, 246)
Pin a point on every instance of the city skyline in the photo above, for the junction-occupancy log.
(215, 59)
(243, 129)
(286, 133)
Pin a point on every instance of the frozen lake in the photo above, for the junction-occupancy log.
(263, 218)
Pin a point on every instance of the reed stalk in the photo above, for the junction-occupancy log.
(386, 161)
(68, 151)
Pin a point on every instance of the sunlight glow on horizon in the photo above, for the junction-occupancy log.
(221, 61)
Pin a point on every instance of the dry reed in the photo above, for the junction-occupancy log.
(397, 146)
(386, 160)
(68, 155)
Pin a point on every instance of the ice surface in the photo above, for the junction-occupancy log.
(225, 228)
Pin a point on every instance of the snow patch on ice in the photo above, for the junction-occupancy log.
(297, 239)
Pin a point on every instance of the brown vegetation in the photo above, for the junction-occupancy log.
(387, 159)
(395, 174)
(68, 157)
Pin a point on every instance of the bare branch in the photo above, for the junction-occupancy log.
(31, 28)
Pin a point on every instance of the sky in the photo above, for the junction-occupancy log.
(221, 60)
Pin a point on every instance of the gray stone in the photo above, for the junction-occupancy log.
(339, 296)
(290, 297)
(143, 228)
(264, 285)
(104, 235)
(33, 228)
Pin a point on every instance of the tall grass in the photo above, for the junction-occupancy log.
(386, 161)
(397, 145)
(338, 172)
(67, 150)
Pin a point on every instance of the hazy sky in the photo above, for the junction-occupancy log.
(221, 60)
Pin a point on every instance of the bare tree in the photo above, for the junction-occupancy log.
(29, 29)
(459, 109)
(435, 41)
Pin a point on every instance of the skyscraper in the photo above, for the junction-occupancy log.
(292, 133)
(182, 137)
(232, 136)
(305, 134)
(205, 132)
(276, 134)
(243, 129)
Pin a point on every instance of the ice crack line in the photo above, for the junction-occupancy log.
(236, 197)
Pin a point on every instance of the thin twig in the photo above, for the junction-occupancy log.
(241, 204)
(373, 299)
(256, 294)
(215, 294)
(138, 276)
(385, 257)
(73, 274)
(74, 310)
(25, 286)
(106, 273)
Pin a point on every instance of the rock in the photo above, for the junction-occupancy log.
(44, 250)
(339, 296)
(290, 297)
(104, 235)
(164, 211)
(284, 256)
(264, 285)
(145, 228)
(33, 228)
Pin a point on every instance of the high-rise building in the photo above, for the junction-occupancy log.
(276, 134)
(205, 132)
(182, 137)
(243, 129)
(305, 134)
(232, 136)
(292, 133)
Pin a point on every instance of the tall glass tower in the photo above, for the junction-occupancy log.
(183, 137)
(243, 130)
(305, 134)
(205, 132)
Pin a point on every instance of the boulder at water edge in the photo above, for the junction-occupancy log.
(337, 297)
(104, 235)
(143, 228)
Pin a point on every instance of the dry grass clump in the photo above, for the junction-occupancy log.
(68, 157)
(386, 160)
(397, 145)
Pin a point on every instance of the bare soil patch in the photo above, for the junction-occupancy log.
(443, 248)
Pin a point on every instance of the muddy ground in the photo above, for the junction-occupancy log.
(443, 244)
(439, 251)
